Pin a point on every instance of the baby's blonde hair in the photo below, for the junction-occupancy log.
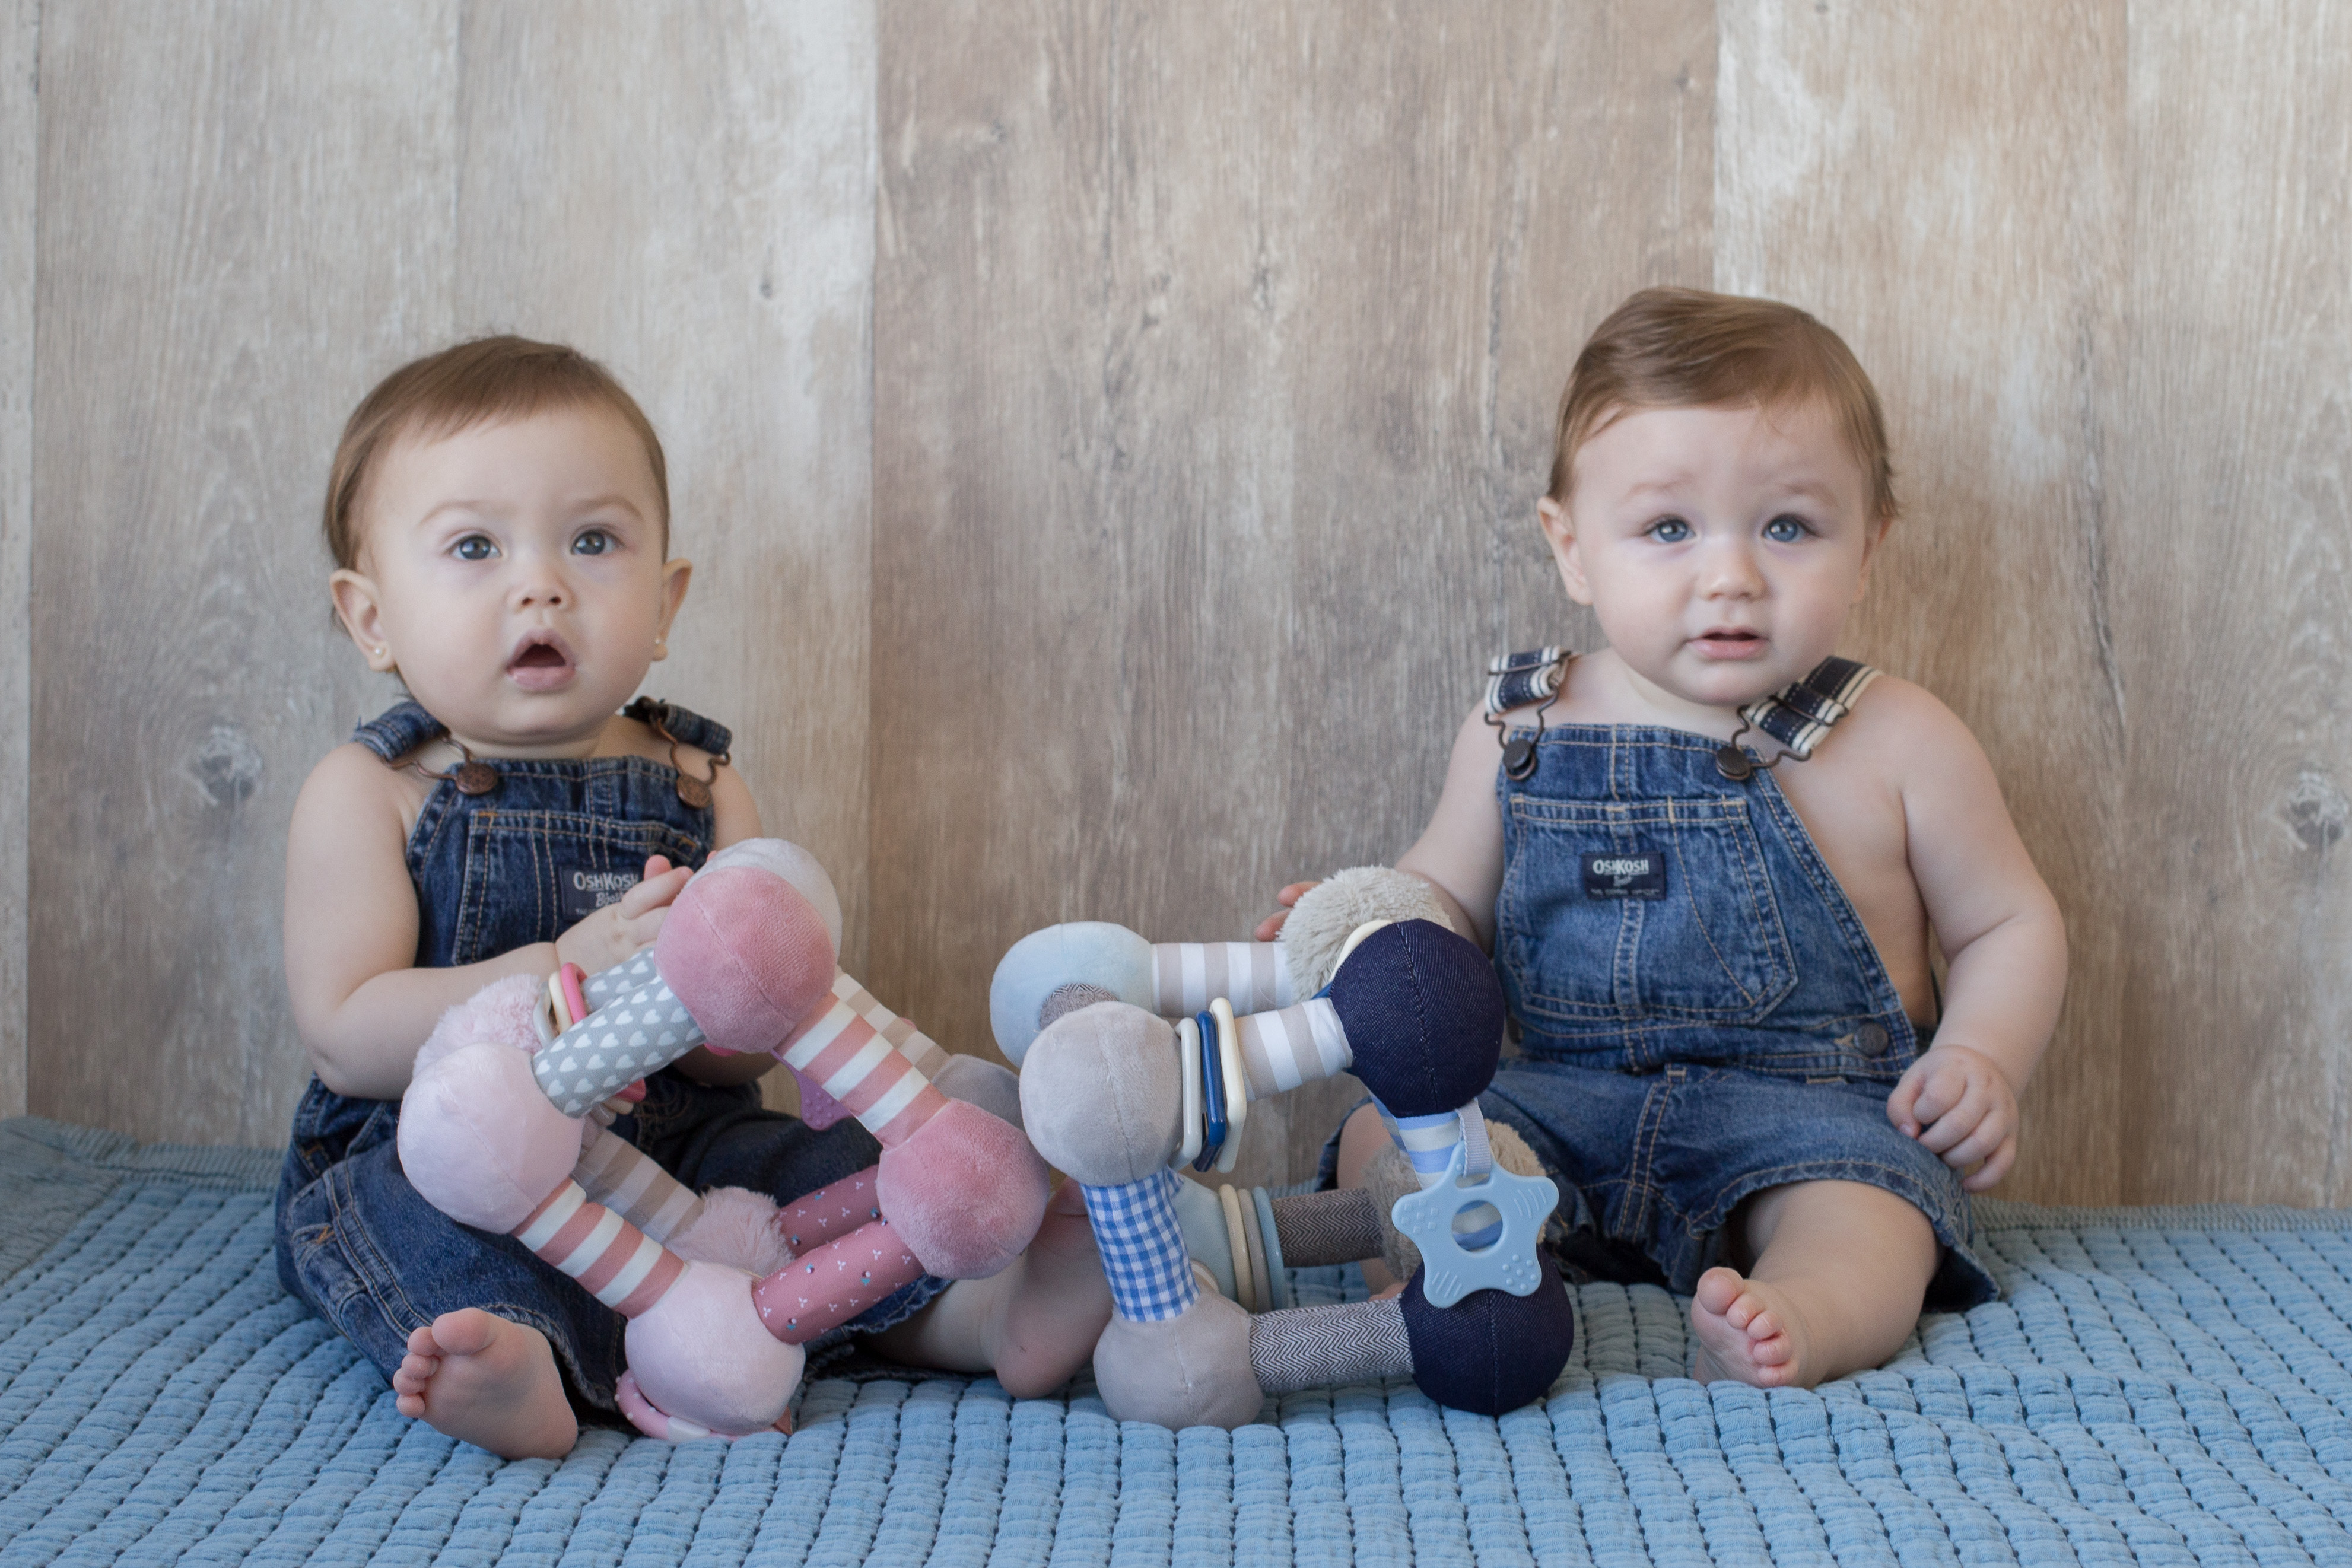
(1685, 348)
(466, 384)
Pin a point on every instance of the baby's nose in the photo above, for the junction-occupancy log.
(537, 584)
(1731, 570)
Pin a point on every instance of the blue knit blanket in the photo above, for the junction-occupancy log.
(2160, 1385)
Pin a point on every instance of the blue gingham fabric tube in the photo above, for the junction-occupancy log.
(1143, 1248)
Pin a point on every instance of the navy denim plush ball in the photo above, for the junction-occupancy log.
(1423, 1013)
(1491, 1351)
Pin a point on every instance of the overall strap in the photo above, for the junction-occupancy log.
(398, 730)
(1800, 715)
(679, 725)
(1515, 680)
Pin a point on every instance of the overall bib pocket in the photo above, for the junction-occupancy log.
(548, 870)
(1657, 910)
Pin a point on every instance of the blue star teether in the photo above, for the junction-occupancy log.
(1449, 1272)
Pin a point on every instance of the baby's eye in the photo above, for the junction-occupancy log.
(1670, 531)
(475, 547)
(592, 542)
(1787, 529)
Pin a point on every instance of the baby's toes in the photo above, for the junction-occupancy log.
(1718, 1291)
(1760, 1323)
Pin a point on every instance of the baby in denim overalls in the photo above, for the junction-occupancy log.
(500, 517)
(1711, 862)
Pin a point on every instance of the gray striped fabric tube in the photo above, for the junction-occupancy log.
(613, 1172)
(1187, 976)
(1296, 1045)
(1315, 1347)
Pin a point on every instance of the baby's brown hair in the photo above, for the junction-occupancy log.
(466, 384)
(1685, 348)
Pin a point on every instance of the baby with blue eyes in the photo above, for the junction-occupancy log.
(1715, 861)
(498, 517)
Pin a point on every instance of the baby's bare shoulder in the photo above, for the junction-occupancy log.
(1904, 728)
(352, 776)
(352, 797)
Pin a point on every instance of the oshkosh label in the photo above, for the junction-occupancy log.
(586, 892)
(1619, 874)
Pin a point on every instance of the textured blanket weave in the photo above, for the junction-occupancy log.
(2159, 1386)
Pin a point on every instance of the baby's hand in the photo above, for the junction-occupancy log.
(1271, 926)
(617, 931)
(1956, 1102)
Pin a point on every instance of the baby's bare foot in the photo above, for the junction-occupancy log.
(487, 1381)
(1747, 1331)
(1056, 1307)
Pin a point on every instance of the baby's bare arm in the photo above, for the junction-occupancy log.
(360, 1006)
(2000, 932)
(1999, 927)
(1460, 852)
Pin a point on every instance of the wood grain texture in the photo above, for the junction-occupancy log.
(20, 54)
(1871, 168)
(2232, 543)
(217, 265)
(688, 194)
(1216, 352)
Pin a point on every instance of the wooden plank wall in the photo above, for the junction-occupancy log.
(1109, 436)
(20, 33)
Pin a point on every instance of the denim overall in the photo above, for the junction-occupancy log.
(1703, 1015)
(495, 872)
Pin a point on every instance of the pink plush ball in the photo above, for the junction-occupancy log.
(748, 954)
(965, 1193)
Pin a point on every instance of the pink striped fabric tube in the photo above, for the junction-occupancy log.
(848, 1054)
(827, 1286)
(829, 1212)
(613, 1260)
(1186, 977)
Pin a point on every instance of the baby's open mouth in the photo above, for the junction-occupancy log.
(539, 663)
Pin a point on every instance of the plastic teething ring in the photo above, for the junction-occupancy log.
(1188, 1053)
(648, 1418)
(1213, 1093)
(570, 976)
(1235, 1074)
(1237, 1240)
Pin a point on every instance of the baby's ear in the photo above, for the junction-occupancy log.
(1559, 532)
(678, 573)
(1874, 535)
(359, 607)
